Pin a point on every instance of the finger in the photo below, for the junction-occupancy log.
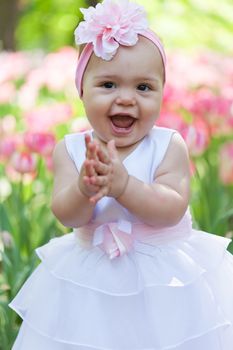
(93, 148)
(112, 149)
(89, 168)
(102, 193)
(89, 151)
(103, 156)
(90, 187)
(101, 168)
(87, 139)
(99, 180)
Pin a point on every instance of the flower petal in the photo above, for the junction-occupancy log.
(110, 24)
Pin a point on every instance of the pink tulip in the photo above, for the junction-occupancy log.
(202, 102)
(47, 73)
(8, 146)
(222, 121)
(45, 118)
(170, 119)
(54, 64)
(7, 92)
(196, 102)
(192, 167)
(226, 163)
(196, 136)
(36, 77)
(27, 96)
(40, 142)
(49, 163)
(227, 91)
(7, 125)
(202, 69)
(24, 162)
(80, 124)
(173, 96)
(14, 65)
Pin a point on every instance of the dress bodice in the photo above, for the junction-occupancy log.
(142, 163)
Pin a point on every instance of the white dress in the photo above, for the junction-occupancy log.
(173, 289)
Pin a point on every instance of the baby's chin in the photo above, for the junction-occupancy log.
(121, 142)
(124, 143)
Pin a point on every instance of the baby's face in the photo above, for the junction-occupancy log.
(122, 97)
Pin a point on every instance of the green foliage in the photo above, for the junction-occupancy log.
(26, 223)
(186, 24)
(212, 201)
(24, 209)
(48, 24)
(192, 24)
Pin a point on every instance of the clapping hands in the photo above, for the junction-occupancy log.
(102, 173)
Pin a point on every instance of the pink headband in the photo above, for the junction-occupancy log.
(108, 26)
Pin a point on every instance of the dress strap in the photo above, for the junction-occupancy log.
(161, 138)
(75, 145)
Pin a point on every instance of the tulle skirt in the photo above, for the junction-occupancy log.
(163, 294)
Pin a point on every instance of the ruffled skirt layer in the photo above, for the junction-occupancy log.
(161, 295)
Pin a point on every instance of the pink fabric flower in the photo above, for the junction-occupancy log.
(110, 24)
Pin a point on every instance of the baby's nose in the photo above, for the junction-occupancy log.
(126, 97)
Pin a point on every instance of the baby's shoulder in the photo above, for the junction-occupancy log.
(75, 147)
(67, 147)
(161, 132)
(176, 157)
(59, 150)
(177, 146)
(171, 137)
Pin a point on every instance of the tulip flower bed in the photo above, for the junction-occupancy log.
(39, 105)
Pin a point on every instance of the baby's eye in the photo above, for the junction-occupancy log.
(143, 87)
(108, 85)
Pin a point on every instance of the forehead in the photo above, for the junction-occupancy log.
(142, 59)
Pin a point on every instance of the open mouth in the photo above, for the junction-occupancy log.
(122, 122)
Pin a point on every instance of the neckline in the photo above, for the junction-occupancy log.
(132, 152)
(135, 149)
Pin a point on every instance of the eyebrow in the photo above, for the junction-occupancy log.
(138, 78)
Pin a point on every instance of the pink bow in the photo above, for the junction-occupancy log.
(114, 238)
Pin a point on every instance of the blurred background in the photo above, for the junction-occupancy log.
(49, 25)
(39, 105)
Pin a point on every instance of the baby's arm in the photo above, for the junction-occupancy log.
(164, 202)
(69, 204)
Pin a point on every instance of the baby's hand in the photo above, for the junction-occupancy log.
(102, 176)
(120, 176)
(88, 170)
(111, 176)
